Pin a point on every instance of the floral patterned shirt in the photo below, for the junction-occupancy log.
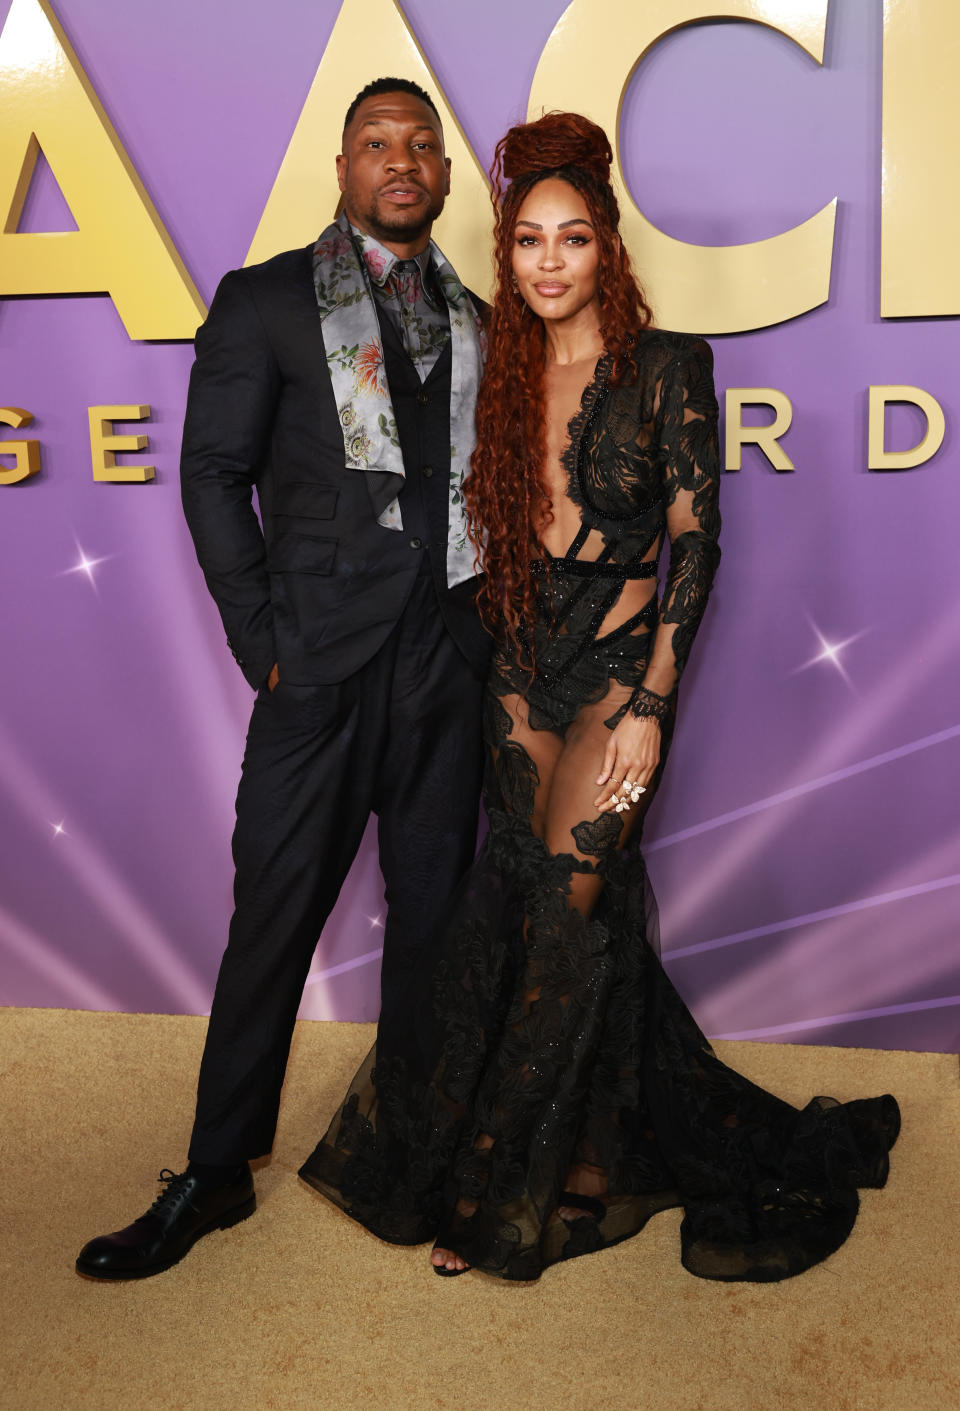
(406, 290)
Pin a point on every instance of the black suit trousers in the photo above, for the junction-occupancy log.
(402, 738)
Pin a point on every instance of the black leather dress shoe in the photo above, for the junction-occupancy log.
(188, 1209)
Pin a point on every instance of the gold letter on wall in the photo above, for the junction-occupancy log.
(26, 453)
(586, 66)
(878, 457)
(371, 37)
(120, 245)
(105, 444)
(919, 267)
(766, 437)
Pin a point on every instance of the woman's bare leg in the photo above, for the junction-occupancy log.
(561, 775)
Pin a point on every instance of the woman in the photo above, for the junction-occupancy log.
(554, 1092)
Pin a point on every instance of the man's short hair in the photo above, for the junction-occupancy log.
(389, 85)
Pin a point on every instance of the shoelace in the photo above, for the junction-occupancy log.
(174, 1186)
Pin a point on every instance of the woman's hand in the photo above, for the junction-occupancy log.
(632, 756)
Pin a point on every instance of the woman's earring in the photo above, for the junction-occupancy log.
(515, 282)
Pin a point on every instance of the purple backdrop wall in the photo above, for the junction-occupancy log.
(804, 847)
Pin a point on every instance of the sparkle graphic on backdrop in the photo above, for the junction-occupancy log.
(87, 565)
(830, 651)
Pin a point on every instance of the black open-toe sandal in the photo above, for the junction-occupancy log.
(442, 1269)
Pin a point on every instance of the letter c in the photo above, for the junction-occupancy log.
(694, 288)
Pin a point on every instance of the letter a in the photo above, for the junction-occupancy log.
(371, 37)
(120, 245)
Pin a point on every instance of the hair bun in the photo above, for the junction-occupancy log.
(555, 140)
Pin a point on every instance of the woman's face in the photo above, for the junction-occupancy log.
(556, 258)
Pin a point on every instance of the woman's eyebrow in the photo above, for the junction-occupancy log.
(577, 220)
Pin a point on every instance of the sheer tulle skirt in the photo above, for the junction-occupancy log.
(551, 1091)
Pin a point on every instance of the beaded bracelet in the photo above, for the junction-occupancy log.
(647, 705)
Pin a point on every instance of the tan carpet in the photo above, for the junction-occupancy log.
(298, 1307)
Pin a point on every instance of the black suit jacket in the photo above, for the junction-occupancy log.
(318, 587)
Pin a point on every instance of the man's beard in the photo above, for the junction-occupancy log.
(401, 223)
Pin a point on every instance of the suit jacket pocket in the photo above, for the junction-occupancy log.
(302, 553)
(305, 500)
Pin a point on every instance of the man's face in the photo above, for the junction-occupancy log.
(393, 172)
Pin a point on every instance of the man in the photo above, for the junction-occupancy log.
(340, 381)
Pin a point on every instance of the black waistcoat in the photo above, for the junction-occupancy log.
(422, 411)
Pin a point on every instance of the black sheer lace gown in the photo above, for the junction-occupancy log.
(551, 1091)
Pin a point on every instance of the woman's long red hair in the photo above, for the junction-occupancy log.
(505, 494)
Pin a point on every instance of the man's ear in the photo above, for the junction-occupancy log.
(446, 162)
(342, 163)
